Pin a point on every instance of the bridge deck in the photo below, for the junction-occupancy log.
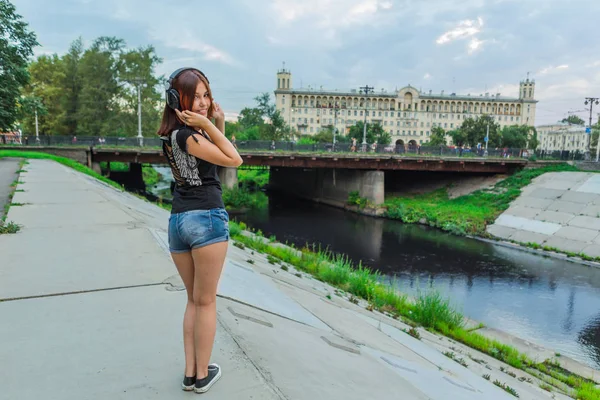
(345, 161)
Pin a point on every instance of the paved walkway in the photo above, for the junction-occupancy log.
(91, 308)
(558, 209)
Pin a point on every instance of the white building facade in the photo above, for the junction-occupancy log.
(407, 114)
(562, 136)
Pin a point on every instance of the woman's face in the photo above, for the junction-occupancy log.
(202, 100)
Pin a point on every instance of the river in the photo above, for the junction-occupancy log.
(551, 302)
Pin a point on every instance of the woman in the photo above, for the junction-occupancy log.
(198, 226)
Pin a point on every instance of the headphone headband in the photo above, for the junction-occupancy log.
(176, 73)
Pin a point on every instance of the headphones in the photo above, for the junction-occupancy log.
(172, 95)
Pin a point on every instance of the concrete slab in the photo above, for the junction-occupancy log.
(592, 250)
(243, 284)
(545, 228)
(580, 197)
(553, 216)
(68, 215)
(586, 222)
(500, 231)
(56, 195)
(573, 246)
(589, 187)
(566, 207)
(533, 202)
(524, 212)
(579, 234)
(351, 327)
(75, 259)
(441, 384)
(592, 210)
(562, 184)
(529, 237)
(305, 366)
(542, 193)
(121, 344)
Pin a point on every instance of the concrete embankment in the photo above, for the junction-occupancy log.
(91, 305)
(558, 210)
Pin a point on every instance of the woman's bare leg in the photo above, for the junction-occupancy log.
(208, 263)
(185, 266)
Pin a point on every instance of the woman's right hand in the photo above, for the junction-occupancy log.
(194, 120)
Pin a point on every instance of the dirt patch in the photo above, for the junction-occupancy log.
(472, 184)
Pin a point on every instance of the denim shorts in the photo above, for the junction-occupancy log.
(193, 229)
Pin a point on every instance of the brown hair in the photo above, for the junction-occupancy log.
(186, 84)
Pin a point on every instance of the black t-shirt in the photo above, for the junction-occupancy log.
(197, 184)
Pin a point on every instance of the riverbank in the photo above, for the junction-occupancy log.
(274, 325)
(275, 320)
(427, 310)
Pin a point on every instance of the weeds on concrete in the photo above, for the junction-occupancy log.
(465, 215)
(430, 309)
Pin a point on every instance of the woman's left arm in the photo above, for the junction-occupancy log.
(219, 116)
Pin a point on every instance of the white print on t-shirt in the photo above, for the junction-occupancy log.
(186, 163)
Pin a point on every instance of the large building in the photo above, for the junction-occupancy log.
(407, 114)
(562, 136)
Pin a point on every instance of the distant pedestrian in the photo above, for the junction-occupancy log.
(233, 141)
(198, 227)
(74, 140)
(353, 146)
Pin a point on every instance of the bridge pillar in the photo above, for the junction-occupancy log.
(96, 167)
(228, 177)
(329, 186)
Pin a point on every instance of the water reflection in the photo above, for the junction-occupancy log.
(552, 302)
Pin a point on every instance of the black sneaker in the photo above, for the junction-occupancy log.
(202, 385)
(189, 381)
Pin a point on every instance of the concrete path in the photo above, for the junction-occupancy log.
(558, 209)
(8, 173)
(91, 308)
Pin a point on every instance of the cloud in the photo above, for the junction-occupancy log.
(552, 69)
(464, 30)
(474, 45)
(427, 76)
(186, 40)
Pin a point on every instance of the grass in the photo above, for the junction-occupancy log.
(11, 227)
(244, 199)
(429, 309)
(470, 214)
(253, 177)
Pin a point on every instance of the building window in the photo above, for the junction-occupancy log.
(445, 124)
(380, 113)
(451, 126)
(427, 133)
(293, 120)
(422, 123)
(512, 118)
(392, 114)
(428, 124)
(385, 123)
(306, 111)
(311, 120)
(404, 132)
(397, 123)
(311, 129)
(386, 113)
(355, 113)
(360, 113)
(529, 92)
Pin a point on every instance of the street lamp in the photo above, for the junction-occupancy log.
(138, 82)
(591, 101)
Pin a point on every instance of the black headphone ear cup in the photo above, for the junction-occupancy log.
(173, 99)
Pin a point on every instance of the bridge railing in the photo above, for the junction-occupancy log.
(269, 145)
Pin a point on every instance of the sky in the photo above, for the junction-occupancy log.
(462, 46)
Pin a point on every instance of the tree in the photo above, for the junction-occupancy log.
(438, 137)
(515, 136)
(573, 120)
(375, 132)
(474, 131)
(250, 117)
(16, 46)
(98, 109)
(533, 139)
(459, 138)
(71, 87)
(47, 74)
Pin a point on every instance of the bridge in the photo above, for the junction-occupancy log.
(327, 177)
